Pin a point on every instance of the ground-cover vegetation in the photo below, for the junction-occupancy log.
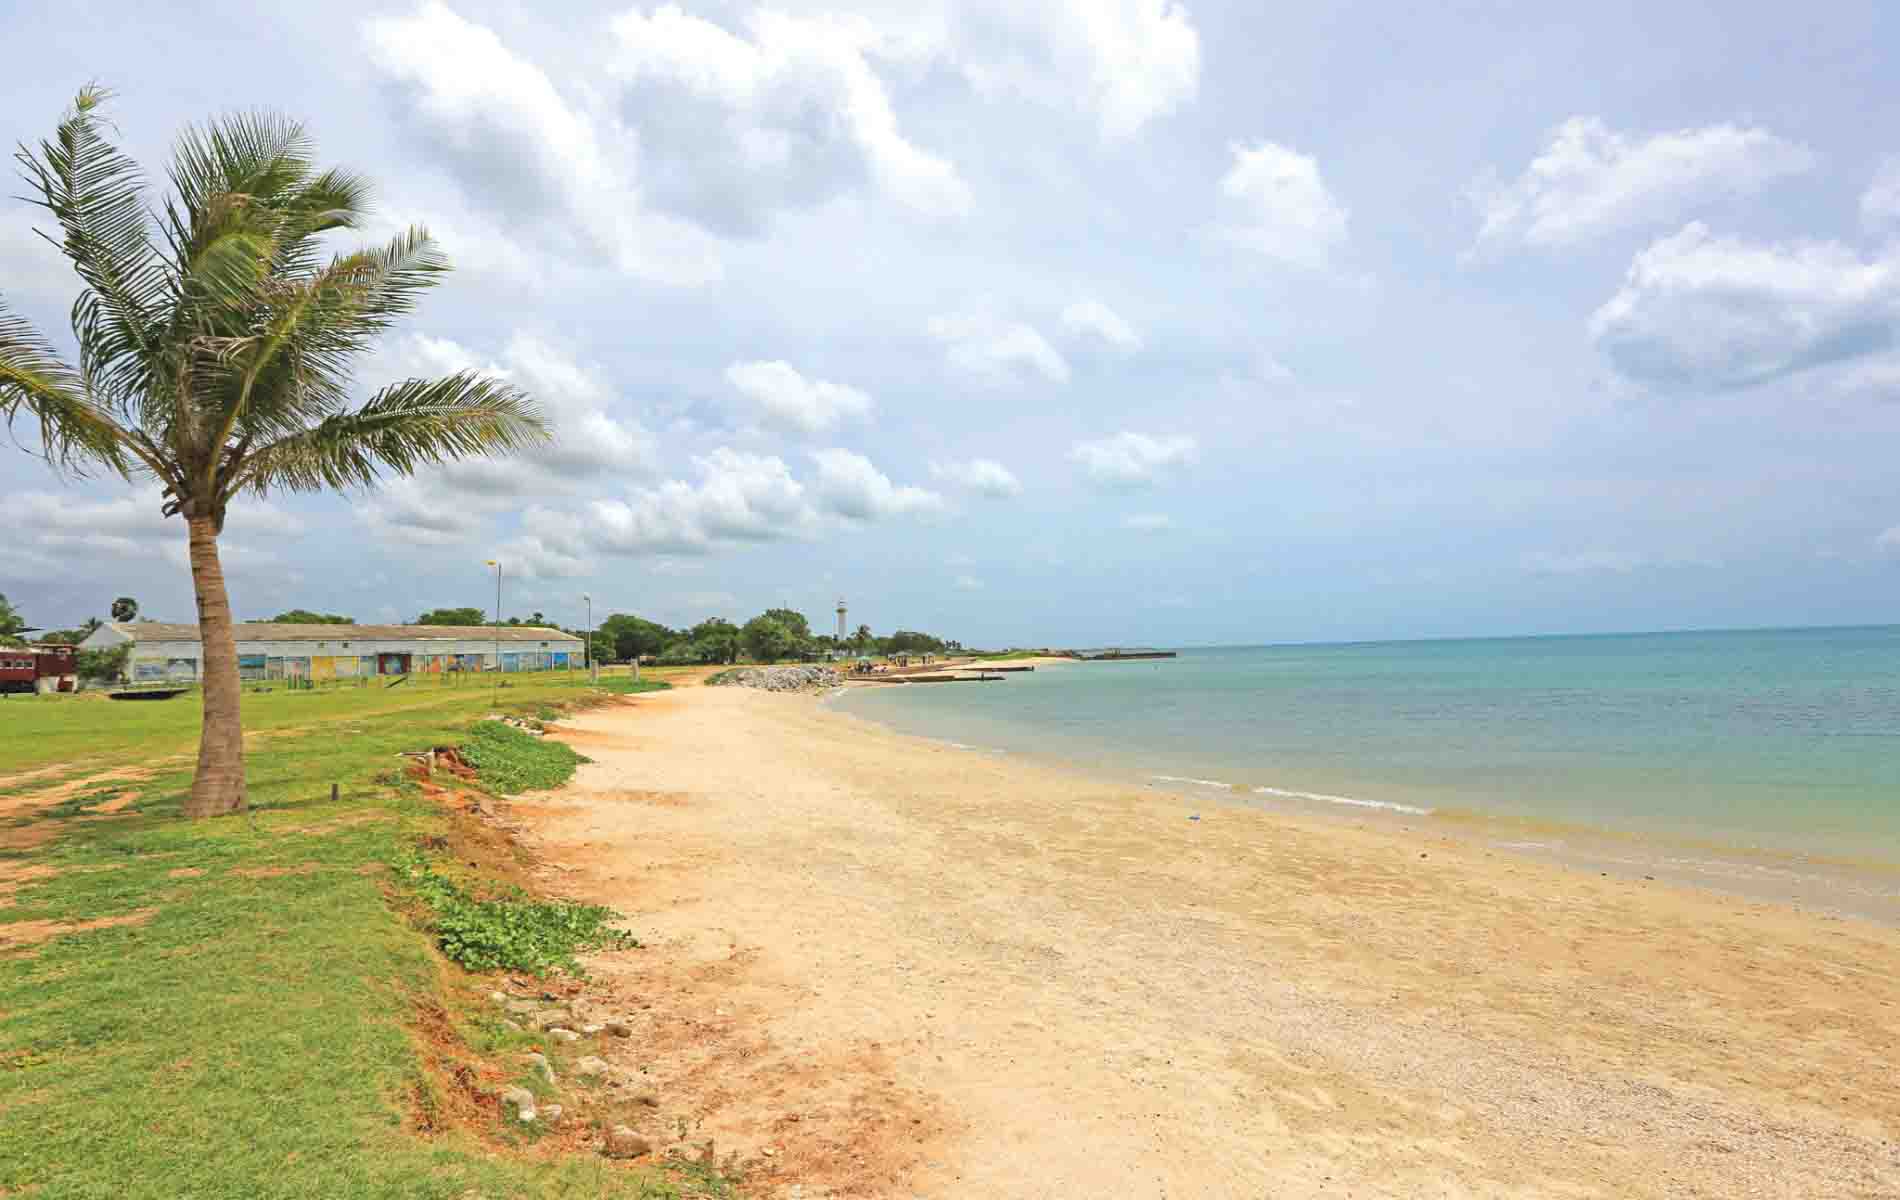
(510, 931)
(511, 761)
(229, 1008)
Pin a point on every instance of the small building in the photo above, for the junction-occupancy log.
(162, 650)
(48, 667)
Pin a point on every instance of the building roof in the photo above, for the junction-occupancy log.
(266, 631)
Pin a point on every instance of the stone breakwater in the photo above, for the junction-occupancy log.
(777, 679)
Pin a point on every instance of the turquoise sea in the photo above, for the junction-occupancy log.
(1784, 742)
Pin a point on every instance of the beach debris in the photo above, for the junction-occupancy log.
(1194, 817)
(777, 679)
(623, 1142)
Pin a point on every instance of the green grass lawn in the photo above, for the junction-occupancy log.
(250, 1033)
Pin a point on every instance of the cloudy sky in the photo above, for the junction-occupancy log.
(1073, 320)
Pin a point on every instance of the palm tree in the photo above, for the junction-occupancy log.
(862, 637)
(215, 344)
(125, 609)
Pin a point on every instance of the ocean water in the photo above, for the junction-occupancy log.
(1781, 741)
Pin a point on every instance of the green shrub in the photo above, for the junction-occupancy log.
(514, 932)
(626, 685)
(511, 761)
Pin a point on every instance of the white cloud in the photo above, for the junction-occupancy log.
(850, 486)
(411, 511)
(1876, 377)
(997, 350)
(1149, 523)
(983, 476)
(788, 400)
(1701, 311)
(1591, 180)
(1093, 318)
(1880, 203)
(967, 583)
(734, 126)
(1146, 59)
(1276, 204)
(444, 504)
(134, 526)
(738, 498)
(1124, 62)
(1888, 542)
(31, 268)
(499, 126)
(1132, 460)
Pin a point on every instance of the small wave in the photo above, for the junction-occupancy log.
(1356, 802)
(1213, 783)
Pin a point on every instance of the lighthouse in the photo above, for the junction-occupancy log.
(841, 621)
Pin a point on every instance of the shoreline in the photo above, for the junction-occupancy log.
(1824, 883)
(905, 969)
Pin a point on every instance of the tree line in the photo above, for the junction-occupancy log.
(775, 635)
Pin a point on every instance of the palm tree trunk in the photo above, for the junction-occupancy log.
(219, 785)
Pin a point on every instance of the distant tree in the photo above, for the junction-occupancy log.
(125, 609)
(303, 616)
(72, 637)
(907, 641)
(680, 653)
(792, 620)
(12, 624)
(862, 639)
(603, 645)
(103, 666)
(453, 616)
(636, 637)
(768, 640)
(717, 639)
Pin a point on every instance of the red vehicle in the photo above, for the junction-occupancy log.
(23, 667)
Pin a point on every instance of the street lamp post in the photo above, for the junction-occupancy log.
(495, 690)
(593, 672)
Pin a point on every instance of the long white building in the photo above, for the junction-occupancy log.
(163, 650)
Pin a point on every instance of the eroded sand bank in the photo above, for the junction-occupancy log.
(906, 969)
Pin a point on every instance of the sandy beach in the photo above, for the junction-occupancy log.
(882, 966)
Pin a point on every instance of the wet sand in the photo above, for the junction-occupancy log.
(905, 969)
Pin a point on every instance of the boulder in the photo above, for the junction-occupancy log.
(777, 679)
(521, 1100)
(591, 1067)
(623, 1142)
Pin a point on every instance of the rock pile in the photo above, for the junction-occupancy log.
(776, 679)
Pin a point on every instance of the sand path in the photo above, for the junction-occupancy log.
(911, 970)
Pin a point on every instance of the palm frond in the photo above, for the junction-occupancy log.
(95, 194)
(35, 380)
(408, 425)
(295, 367)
